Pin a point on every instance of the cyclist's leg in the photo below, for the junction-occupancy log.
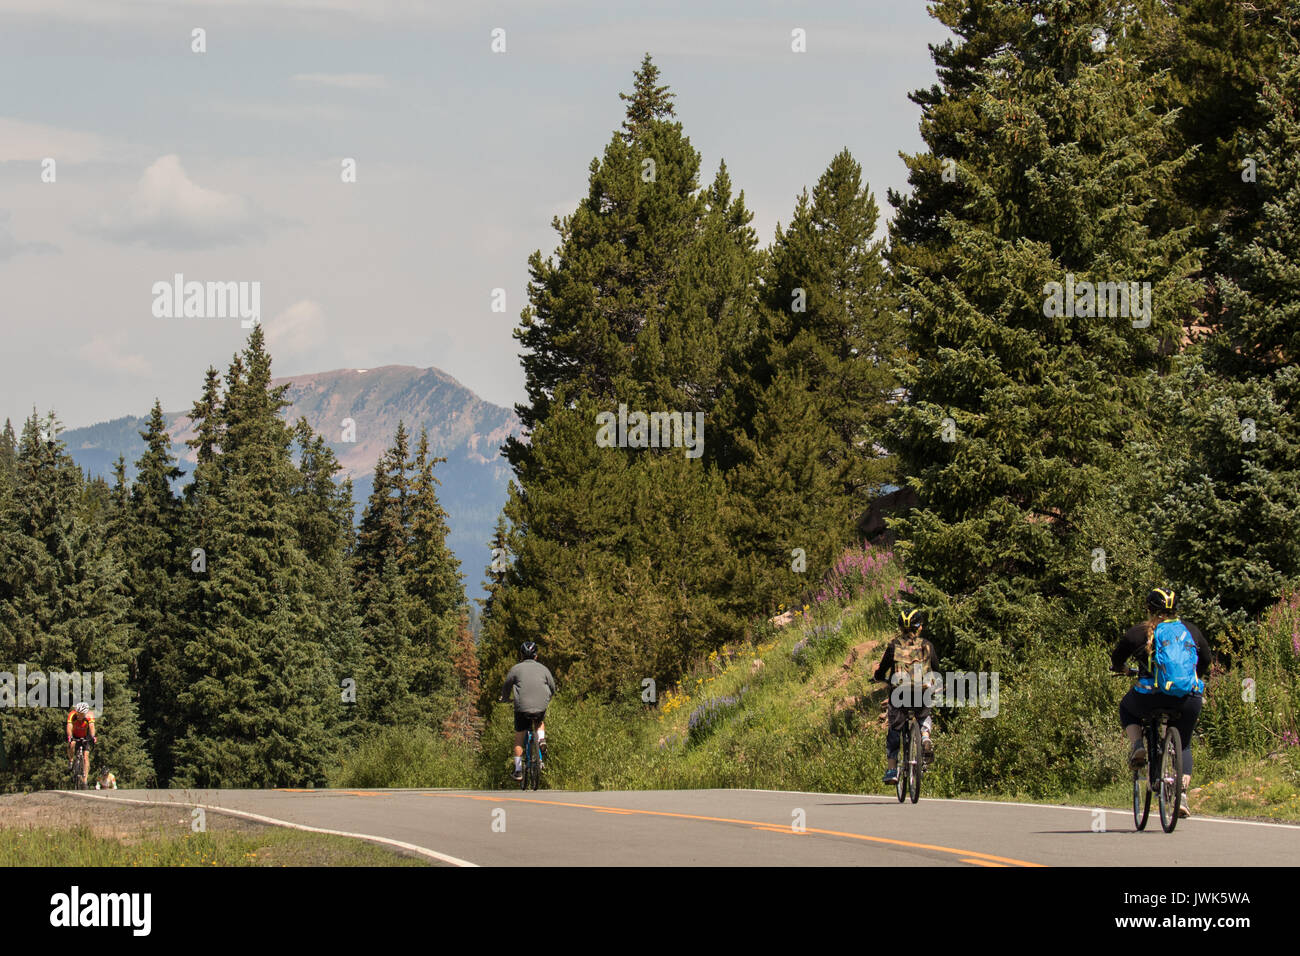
(521, 730)
(1132, 708)
(541, 736)
(925, 714)
(1186, 724)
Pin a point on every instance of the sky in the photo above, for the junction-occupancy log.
(226, 166)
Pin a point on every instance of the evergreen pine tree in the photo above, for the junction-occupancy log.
(61, 611)
(649, 274)
(8, 450)
(324, 526)
(1017, 410)
(1231, 528)
(154, 561)
(434, 582)
(258, 706)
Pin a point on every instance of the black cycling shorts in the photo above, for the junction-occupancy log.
(524, 722)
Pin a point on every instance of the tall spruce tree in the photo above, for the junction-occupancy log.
(434, 581)
(324, 525)
(627, 313)
(8, 450)
(618, 256)
(1218, 55)
(62, 611)
(389, 613)
(819, 387)
(1019, 403)
(152, 522)
(411, 596)
(258, 705)
(1230, 529)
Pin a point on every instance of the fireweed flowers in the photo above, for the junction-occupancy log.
(863, 570)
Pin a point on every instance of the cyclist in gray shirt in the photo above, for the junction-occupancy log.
(534, 687)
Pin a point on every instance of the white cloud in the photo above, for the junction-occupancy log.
(152, 10)
(11, 246)
(281, 113)
(296, 332)
(343, 81)
(170, 210)
(106, 353)
(21, 141)
(767, 39)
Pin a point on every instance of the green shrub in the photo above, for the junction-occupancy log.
(417, 757)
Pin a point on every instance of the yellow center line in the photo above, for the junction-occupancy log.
(983, 862)
(1009, 861)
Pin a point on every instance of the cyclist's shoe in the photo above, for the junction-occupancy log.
(1184, 811)
(518, 774)
(541, 756)
(1137, 758)
(927, 749)
(891, 776)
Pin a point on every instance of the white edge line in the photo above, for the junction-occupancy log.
(1035, 806)
(423, 851)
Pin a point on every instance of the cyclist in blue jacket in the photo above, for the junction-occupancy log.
(1139, 641)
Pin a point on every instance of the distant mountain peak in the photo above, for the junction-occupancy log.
(365, 405)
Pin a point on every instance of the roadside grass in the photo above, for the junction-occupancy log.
(81, 846)
(409, 757)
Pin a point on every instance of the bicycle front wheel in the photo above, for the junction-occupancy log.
(904, 749)
(1171, 779)
(917, 758)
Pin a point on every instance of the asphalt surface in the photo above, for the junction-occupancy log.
(742, 828)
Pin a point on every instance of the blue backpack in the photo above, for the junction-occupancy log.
(1174, 660)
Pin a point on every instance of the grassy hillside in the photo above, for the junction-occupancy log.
(795, 709)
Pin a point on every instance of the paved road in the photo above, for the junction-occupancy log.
(742, 828)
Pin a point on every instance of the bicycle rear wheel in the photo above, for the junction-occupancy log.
(904, 749)
(528, 746)
(1171, 779)
(917, 759)
(1141, 799)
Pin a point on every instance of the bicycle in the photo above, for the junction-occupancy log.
(911, 762)
(1164, 766)
(78, 767)
(532, 753)
(532, 758)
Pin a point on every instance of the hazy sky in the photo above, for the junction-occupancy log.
(225, 166)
